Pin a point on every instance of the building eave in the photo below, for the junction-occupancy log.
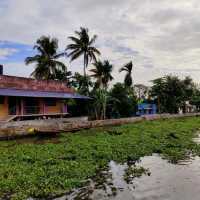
(40, 94)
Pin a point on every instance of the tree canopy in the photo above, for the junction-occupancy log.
(83, 44)
(128, 81)
(101, 72)
(171, 93)
(46, 60)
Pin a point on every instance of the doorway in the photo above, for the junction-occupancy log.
(31, 106)
(12, 105)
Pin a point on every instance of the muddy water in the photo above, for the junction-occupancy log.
(197, 138)
(166, 182)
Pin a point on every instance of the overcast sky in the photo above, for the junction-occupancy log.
(160, 36)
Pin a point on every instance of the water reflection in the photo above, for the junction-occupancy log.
(166, 181)
(197, 138)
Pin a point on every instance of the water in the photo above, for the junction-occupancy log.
(166, 181)
(197, 138)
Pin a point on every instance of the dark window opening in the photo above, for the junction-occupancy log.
(31, 106)
(2, 100)
(50, 102)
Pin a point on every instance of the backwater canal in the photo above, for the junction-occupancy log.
(162, 180)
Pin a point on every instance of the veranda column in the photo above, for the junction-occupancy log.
(44, 106)
(22, 106)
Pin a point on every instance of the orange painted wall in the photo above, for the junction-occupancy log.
(4, 109)
(54, 109)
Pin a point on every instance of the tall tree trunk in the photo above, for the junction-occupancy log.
(96, 113)
(105, 102)
(85, 65)
(159, 110)
(84, 68)
(104, 110)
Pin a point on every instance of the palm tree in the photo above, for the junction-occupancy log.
(100, 99)
(102, 73)
(128, 69)
(64, 75)
(82, 83)
(46, 59)
(83, 45)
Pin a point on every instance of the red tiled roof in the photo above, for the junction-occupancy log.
(14, 82)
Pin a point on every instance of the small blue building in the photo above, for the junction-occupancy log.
(146, 109)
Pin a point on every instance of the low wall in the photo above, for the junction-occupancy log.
(32, 127)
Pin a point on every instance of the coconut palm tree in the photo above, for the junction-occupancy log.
(102, 73)
(46, 59)
(64, 75)
(82, 83)
(128, 69)
(83, 45)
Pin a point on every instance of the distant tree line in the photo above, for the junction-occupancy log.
(169, 92)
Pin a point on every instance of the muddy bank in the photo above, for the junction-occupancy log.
(163, 181)
(53, 126)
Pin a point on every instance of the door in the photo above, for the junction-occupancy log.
(12, 105)
(31, 106)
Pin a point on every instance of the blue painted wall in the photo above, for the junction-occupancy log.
(146, 109)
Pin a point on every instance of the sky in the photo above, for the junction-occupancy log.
(160, 37)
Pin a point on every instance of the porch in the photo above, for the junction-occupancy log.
(25, 108)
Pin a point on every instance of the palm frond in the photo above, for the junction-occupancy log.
(73, 52)
(76, 55)
(72, 46)
(128, 69)
(95, 50)
(82, 46)
(60, 65)
(93, 40)
(30, 60)
(129, 66)
(39, 48)
(123, 69)
(60, 55)
(74, 39)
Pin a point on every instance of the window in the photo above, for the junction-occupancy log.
(2, 100)
(50, 102)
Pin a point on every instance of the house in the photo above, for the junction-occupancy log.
(27, 98)
(187, 108)
(141, 91)
(146, 109)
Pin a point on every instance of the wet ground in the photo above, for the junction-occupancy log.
(197, 138)
(40, 139)
(159, 180)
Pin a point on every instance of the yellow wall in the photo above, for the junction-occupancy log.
(4, 109)
(4, 112)
(54, 109)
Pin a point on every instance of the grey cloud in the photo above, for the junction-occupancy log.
(148, 66)
(116, 48)
(186, 70)
(156, 33)
(126, 51)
